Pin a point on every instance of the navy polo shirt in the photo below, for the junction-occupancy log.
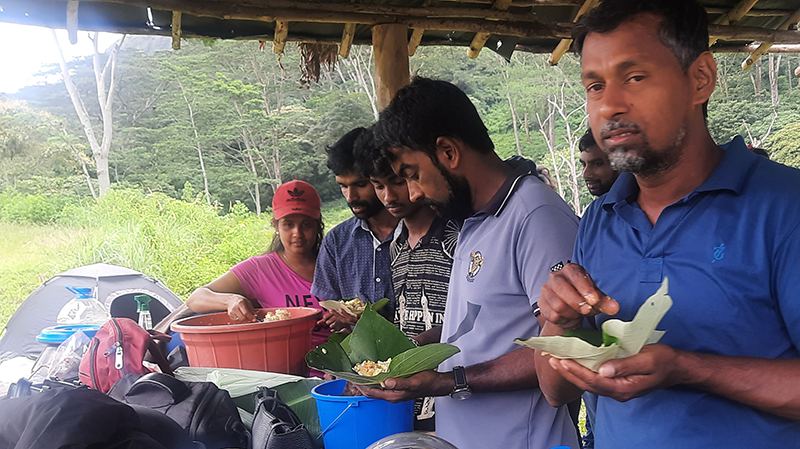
(731, 251)
(353, 263)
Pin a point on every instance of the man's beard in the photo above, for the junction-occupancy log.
(642, 159)
(458, 205)
(371, 208)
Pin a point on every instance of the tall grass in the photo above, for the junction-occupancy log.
(185, 244)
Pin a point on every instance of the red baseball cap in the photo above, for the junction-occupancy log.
(296, 197)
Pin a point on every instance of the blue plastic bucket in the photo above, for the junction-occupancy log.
(355, 422)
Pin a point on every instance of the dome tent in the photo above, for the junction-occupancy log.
(114, 286)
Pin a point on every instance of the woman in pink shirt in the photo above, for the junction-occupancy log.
(280, 278)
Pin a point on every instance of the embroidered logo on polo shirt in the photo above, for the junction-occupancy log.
(719, 252)
(475, 264)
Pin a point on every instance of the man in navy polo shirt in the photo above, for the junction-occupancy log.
(516, 228)
(354, 258)
(722, 223)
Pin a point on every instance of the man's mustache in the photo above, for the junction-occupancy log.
(618, 124)
(354, 204)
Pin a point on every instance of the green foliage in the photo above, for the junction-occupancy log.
(785, 145)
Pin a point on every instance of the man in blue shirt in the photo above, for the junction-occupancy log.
(354, 259)
(515, 229)
(720, 222)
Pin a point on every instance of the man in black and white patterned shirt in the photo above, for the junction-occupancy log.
(422, 256)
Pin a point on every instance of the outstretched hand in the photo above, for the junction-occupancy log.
(420, 385)
(338, 321)
(653, 368)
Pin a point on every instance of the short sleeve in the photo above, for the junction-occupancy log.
(785, 279)
(247, 271)
(547, 238)
(326, 282)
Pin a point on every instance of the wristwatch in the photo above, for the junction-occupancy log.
(461, 391)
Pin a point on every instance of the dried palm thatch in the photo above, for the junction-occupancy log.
(315, 56)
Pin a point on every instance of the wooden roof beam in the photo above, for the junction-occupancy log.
(279, 39)
(416, 34)
(564, 45)
(765, 46)
(733, 16)
(482, 36)
(347, 39)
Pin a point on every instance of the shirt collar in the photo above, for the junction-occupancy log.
(730, 174)
(522, 168)
(362, 224)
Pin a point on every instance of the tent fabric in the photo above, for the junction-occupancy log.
(114, 286)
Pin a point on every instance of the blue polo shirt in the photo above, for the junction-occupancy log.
(353, 263)
(731, 251)
(502, 259)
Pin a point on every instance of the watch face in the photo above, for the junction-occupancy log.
(460, 395)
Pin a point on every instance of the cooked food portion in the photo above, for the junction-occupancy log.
(370, 369)
(280, 314)
(356, 305)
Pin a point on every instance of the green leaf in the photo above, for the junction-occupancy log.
(592, 336)
(609, 339)
(374, 338)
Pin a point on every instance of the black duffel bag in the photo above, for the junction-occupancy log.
(276, 426)
(206, 412)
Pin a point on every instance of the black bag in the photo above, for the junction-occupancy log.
(206, 412)
(276, 426)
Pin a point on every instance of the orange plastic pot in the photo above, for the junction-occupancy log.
(214, 340)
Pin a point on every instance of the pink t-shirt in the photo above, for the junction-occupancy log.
(271, 282)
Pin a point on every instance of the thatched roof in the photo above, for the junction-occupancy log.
(504, 25)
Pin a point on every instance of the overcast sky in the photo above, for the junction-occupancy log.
(25, 49)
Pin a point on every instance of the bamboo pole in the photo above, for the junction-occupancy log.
(765, 46)
(176, 30)
(279, 39)
(390, 47)
(564, 45)
(347, 39)
(482, 36)
(414, 41)
(733, 16)
(72, 21)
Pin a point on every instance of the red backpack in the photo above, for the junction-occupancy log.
(119, 348)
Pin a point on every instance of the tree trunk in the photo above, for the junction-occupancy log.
(197, 143)
(774, 69)
(257, 198)
(514, 122)
(759, 75)
(83, 163)
(101, 149)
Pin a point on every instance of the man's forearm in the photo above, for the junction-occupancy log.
(513, 371)
(557, 390)
(771, 385)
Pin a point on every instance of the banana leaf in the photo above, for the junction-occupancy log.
(376, 339)
(618, 339)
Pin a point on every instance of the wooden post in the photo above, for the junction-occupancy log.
(390, 45)
(347, 39)
(279, 40)
(176, 30)
(563, 46)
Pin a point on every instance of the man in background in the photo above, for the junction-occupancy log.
(422, 257)
(597, 171)
(354, 259)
